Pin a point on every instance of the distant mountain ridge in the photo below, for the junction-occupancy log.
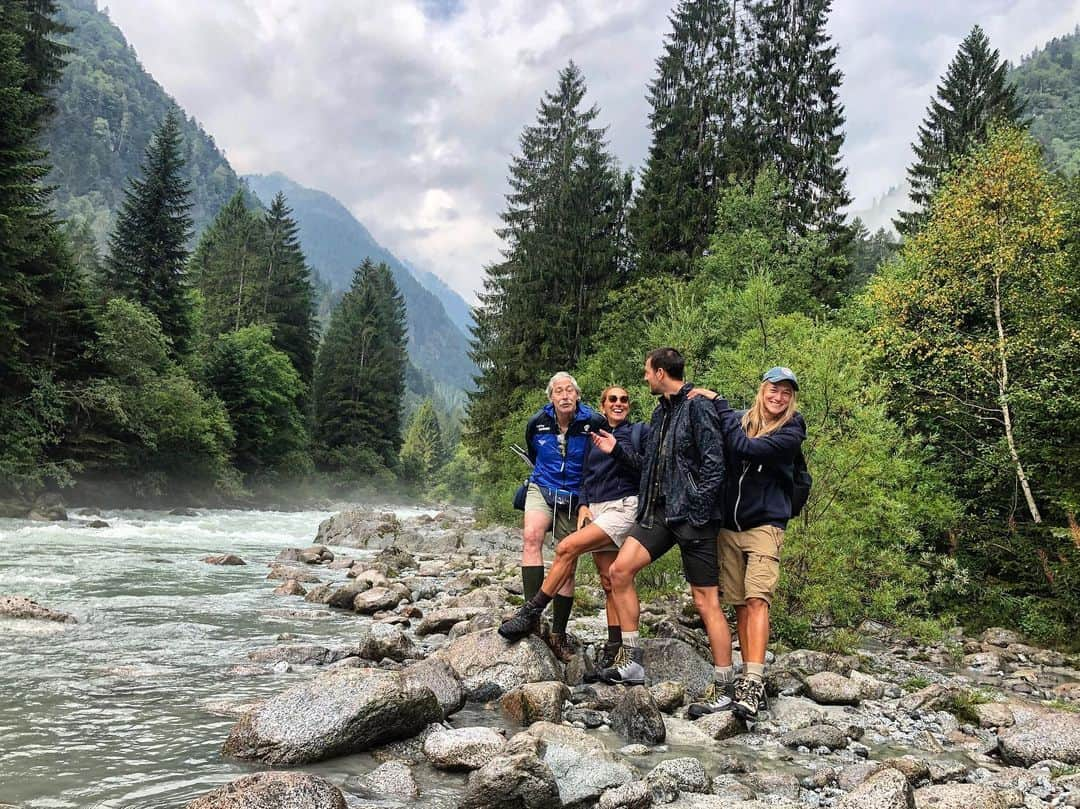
(335, 243)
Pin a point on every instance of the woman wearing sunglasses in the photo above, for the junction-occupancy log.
(609, 494)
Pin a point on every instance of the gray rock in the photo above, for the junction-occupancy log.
(583, 767)
(23, 607)
(286, 572)
(48, 507)
(306, 654)
(1052, 736)
(443, 620)
(958, 796)
(796, 712)
(518, 781)
(887, 789)
(669, 695)
(637, 718)
(688, 773)
(463, 748)
(914, 769)
(342, 597)
(632, 795)
(721, 725)
(869, 687)
(809, 661)
(830, 688)
(816, 736)
(536, 702)
(378, 599)
(337, 712)
(394, 779)
(273, 790)
(320, 594)
(97, 524)
(854, 774)
(437, 675)
(382, 641)
(228, 559)
(290, 587)
(184, 511)
(772, 783)
(997, 636)
(994, 715)
(946, 770)
(675, 660)
(489, 667)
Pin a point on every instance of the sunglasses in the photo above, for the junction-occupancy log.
(613, 398)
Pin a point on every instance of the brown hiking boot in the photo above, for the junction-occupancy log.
(561, 646)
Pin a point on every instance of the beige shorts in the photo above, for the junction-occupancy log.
(749, 563)
(562, 524)
(615, 518)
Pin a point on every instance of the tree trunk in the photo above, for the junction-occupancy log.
(1006, 415)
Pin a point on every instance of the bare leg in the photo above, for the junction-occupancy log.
(603, 567)
(566, 555)
(536, 525)
(740, 628)
(707, 601)
(755, 616)
(632, 558)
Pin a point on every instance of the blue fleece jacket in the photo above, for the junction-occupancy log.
(618, 475)
(558, 468)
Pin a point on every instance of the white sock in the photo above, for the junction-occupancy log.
(630, 639)
(724, 674)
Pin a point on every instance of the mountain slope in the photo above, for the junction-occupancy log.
(108, 107)
(335, 243)
(459, 311)
(1048, 81)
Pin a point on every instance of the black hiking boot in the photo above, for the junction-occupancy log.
(525, 621)
(627, 668)
(605, 660)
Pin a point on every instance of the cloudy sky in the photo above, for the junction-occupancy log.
(408, 110)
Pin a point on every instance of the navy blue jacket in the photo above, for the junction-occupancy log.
(552, 470)
(760, 471)
(618, 475)
(692, 459)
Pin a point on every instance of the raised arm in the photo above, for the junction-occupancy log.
(778, 446)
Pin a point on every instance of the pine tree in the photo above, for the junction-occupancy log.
(565, 249)
(289, 295)
(423, 451)
(975, 93)
(229, 269)
(148, 248)
(360, 377)
(696, 100)
(795, 118)
(42, 52)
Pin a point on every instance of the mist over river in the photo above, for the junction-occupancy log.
(117, 710)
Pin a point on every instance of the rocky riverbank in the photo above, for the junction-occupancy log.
(442, 713)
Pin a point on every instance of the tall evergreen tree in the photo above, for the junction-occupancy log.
(794, 115)
(696, 98)
(289, 294)
(45, 322)
(148, 249)
(565, 249)
(360, 377)
(423, 451)
(228, 268)
(974, 94)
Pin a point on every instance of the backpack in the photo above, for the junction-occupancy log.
(801, 481)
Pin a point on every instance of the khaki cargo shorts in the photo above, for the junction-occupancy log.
(749, 563)
(562, 524)
(615, 518)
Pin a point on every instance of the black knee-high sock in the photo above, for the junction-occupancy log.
(560, 613)
(540, 600)
(532, 576)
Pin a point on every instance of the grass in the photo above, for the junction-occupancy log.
(1062, 705)
(962, 705)
(916, 683)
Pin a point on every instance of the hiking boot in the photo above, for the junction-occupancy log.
(627, 668)
(561, 646)
(717, 697)
(524, 621)
(749, 698)
(605, 660)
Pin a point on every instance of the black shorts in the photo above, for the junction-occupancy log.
(697, 544)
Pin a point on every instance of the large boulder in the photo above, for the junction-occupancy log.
(273, 790)
(489, 666)
(816, 736)
(673, 659)
(1052, 736)
(443, 681)
(516, 780)
(341, 711)
(48, 507)
(378, 599)
(386, 640)
(958, 796)
(442, 621)
(463, 748)
(23, 607)
(584, 769)
(688, 774)
(830, 688)
(886, 789)
(637, 718)
(392, 779)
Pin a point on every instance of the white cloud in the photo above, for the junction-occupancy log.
(410, 118)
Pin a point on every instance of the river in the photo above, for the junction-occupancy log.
(117, 710)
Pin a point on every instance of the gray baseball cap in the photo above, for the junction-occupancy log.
(780, 374)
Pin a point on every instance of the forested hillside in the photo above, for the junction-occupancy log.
(1048, 81)
(335, 244)
(107, 108)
